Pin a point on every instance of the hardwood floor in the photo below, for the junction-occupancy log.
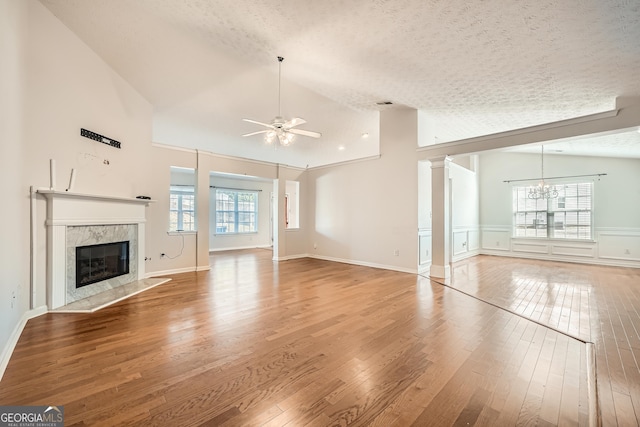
(594, 303)
(311, 342)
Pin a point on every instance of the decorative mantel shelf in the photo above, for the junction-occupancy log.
(55, 193)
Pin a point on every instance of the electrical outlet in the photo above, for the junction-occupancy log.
(497, 243)
(13, 299)
(315, 246)
(396, 252)
(627, 252)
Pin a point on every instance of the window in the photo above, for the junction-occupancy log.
(182, 202)
(569, 216)
(236, 211)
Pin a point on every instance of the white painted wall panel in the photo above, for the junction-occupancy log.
(496, 240)
(586, 250)
(619, 246)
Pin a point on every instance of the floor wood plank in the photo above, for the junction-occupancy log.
(311, 342)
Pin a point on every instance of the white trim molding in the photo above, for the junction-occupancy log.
(363, 263)
(465, 242)
(424, 249)
(7, 351)
(612, 246)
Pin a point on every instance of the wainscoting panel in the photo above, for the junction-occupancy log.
(460, 242)
(612, 246)
(574, 250)
(424, 246)
(496, 240)
(534, 248)
(620, 246)
(473, 240)
(465, 243)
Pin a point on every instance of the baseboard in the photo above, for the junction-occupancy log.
(174, 271)
(590, 261)
(237, 248)
(366, 264)
(465, 255)
(7, 351)
(289, 257)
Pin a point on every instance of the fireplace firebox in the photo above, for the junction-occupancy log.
(96, 263)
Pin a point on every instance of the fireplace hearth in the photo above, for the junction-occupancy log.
(95, 263)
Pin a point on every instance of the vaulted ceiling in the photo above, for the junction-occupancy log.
(476, 67)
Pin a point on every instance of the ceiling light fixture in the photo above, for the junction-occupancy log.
(279, 128)
(542, 190)
(365, 135)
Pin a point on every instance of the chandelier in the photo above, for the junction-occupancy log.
(542, 190)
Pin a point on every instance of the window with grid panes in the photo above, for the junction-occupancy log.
(182, 202)
(236, 211)
(569, 216)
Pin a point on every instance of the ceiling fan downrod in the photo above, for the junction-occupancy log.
(280, 59)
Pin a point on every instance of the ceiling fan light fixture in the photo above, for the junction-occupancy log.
(269, 137)
(285, 138)
(281, 128)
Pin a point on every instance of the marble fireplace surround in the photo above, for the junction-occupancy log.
(75, 219)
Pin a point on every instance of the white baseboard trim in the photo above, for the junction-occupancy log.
(7, 351)
(174, 271)
(237, 248)
(592, 261)
(290, 257)
(424, 268)
(465, 255)
(366, 264)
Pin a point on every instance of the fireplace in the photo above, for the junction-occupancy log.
(90, 221)
(95, 263)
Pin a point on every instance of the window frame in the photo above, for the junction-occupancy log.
(545, 217)
(236, 213)
(180, 191)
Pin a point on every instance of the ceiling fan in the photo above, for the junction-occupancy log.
(279, 127)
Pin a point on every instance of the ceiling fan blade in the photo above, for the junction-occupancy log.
(256, 133)
(258, 123)
(305, 133)
(296, 121)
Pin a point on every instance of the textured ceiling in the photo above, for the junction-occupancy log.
(477, 67)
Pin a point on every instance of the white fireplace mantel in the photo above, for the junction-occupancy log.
(68, 209)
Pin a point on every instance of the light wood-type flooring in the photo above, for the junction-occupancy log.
(311, 342)
(597, 304)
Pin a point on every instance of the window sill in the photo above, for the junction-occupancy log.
(178, 233)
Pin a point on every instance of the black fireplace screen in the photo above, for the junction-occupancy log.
(96, 263)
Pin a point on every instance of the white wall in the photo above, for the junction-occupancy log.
(364, 212)
(158, 239)
(260, 239)
(465, 213)
(616, 207)
(14, 250)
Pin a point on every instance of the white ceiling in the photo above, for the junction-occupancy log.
(478, 67)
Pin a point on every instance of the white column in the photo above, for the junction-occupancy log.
(440, 220)
(279, 236)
